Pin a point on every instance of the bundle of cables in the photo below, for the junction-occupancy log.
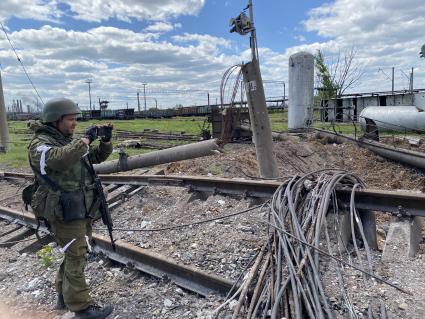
(286, 279)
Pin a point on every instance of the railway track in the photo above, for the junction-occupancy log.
(134, 257)
(410, 203)
(120, 187)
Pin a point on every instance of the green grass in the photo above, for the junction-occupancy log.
(279, 121)
(189, 125)
(17, 157)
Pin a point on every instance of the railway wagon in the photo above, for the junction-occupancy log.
(187, 111)
(204, 110)
(120, 114)
(87, 115)
(156, 113)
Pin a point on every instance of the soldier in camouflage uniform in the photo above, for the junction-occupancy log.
(57, 160)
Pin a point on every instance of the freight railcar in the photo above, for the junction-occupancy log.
(120, 114)
(156, 113)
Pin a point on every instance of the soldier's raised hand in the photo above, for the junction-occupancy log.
(91, 133)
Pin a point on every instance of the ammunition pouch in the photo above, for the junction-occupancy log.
(44, 203)
(73, 205)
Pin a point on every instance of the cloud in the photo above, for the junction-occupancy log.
(97, 11)
(162, 27)
(29, 9)
(118, 60)
(126, 10)
(207, 43)
(300, 38)
(384, 33)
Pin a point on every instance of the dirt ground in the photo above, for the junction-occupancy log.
(222, 247)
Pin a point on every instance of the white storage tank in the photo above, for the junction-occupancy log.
(400, 118)
(301, 90)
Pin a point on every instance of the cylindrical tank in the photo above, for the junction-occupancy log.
(301, 90)
(400, 118)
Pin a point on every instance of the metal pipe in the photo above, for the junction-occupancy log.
(401, 118)
(400, 155)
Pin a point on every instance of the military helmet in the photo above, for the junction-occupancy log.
(53, 110)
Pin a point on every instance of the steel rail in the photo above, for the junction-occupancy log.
(407, 203)
(141, 259)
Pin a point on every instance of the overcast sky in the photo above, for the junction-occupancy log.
(181, 48)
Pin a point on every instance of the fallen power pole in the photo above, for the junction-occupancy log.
(174, 154)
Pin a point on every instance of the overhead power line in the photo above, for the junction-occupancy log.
(20, 61)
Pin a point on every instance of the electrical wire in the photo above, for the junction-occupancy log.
(185, 225)
(20, 61)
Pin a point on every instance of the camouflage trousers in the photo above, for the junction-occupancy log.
(70, 279)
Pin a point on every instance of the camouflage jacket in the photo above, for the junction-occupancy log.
(59, 157)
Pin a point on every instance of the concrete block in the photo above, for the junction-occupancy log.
(403, 239)
(369, 227)
(196, 195)
(339, 229)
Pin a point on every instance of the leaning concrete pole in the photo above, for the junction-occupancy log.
(174, 154)
(4, 130)
(260, 123)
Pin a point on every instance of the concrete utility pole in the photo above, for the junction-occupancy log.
(144, 93)
(174, 154)
(89, 82)
(138, 101)
(4, 130)
(260, 124)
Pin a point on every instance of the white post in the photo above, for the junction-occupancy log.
(4, 130)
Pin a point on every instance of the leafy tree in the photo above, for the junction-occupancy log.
(337, 75)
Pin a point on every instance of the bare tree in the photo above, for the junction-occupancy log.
(338, 73)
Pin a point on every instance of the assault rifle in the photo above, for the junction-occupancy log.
(100, 201)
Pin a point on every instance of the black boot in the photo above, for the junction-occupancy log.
(60, 303)
(94, 312)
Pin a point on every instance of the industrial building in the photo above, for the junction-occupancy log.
(348, 107)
